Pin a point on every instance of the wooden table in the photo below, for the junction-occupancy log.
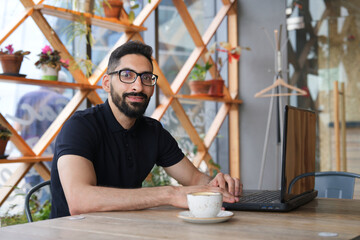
(321, 215)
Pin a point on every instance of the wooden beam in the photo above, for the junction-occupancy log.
(54, 40)
(102, 67)
(195, 55)
(194, 32)
(233, 78)
(145, 12)
(9, 29)
(185, 70)
(234, 141)
(186, 123)
(343, 128)
(214, 25)
(189, 23)
(216, 124)
(42, 170)
(13, 181)
(16, 139)
(55, 127)
(337, 126)
(162, 81)
(200, 156)
(161, 108)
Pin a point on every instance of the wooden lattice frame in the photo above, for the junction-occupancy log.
(33, 157)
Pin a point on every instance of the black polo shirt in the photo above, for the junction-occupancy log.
(121, 158)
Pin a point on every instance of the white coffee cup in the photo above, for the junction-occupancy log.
(205, 204)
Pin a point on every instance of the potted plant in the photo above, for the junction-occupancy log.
(217, 84)
(197, 83)
(5, 135)
(50, 63)
(11, 60)
(112, 8)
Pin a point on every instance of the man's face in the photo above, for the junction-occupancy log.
(131, 99)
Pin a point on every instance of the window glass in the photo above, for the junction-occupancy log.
(175, 47)
(324, 55)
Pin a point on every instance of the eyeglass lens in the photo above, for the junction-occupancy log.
(128, 76)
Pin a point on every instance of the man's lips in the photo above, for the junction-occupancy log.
(135, 98)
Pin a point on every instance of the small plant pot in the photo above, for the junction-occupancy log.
(216, 88)
(112, 8)
(199, 87)
(3, 143)
(49, 73)
(11, 63)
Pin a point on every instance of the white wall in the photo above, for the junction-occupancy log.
(257, 72)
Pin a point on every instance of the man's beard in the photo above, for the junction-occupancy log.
(132, 110)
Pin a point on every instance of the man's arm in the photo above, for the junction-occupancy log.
(187, 174)
(78, 181)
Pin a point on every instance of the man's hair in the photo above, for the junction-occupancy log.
(131, 47)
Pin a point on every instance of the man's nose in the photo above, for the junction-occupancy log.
(137, 85)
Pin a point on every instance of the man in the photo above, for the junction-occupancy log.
(104, 153)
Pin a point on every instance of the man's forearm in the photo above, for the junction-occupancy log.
(96, 199)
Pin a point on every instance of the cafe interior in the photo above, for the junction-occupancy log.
(266, 55)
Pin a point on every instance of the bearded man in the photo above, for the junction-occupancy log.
(104, 153)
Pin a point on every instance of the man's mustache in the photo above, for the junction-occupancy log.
(136, 95)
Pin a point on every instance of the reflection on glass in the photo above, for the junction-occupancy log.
(324, 50)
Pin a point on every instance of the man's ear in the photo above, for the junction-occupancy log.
(106, 83)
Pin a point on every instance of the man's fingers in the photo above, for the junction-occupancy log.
(220, 180)
(231, 184)
(229, 198)
(238, 187)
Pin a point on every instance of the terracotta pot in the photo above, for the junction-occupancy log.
(112, 11)
(216, 87)
(11, 63)
(49, 73)
(199, 87)
(3, 144)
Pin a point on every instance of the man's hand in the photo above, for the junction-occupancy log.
(229, 184)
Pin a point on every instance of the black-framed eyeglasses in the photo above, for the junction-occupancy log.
(129, 76)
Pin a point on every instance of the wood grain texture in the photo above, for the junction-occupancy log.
(321, 215)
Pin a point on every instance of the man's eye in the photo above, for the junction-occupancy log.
(146, 77)
(126, 74)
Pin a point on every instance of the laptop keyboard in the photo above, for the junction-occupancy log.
(261, 197)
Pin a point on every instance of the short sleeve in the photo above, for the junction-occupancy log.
(170, 153)
(77, 137)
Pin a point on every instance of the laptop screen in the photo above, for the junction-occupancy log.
(299, 146)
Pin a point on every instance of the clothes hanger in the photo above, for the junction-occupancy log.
(280, 82)
(278, 79)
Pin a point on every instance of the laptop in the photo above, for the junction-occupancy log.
(298, 157)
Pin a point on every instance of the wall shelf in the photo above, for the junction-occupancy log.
(209, 98)
(27, 159)
(108, 23)
(47, 83)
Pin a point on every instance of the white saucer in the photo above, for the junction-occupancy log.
(221, 217)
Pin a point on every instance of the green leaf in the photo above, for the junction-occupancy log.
(131, 16)
(134, 7)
